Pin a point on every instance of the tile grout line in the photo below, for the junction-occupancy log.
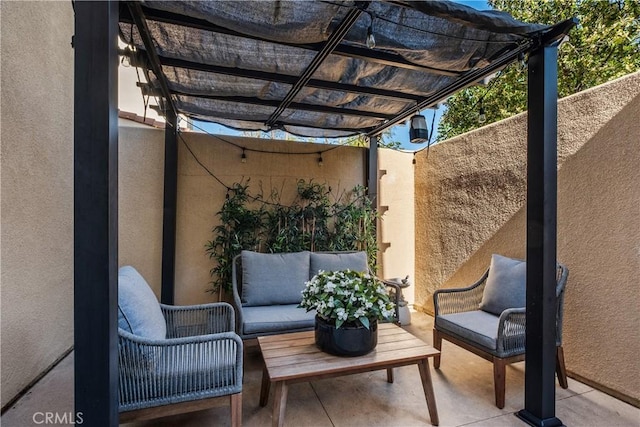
(487, 419)
(321, 404)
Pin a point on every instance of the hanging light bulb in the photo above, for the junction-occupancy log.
(371, 40)
(482, 117)
(320, 161)
(418, 131)
(243, 158)
(522, 64)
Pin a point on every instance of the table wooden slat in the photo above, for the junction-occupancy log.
(294, 357)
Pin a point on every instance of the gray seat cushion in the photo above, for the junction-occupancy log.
(477, 326)
(273, 278)
(276, 318)
(356, 261)
(506, 285)
(138, 309)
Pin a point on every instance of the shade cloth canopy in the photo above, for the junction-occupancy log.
(305, 67)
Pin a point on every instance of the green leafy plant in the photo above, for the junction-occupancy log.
(315, 221)
(605, 45)
(240, 228)
(355, 225)
(347, 297)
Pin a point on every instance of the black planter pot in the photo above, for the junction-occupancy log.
(347, 340)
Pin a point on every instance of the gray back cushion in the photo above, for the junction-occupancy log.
(273, 278)
(356, 261)
(506, 285)
(138, 309)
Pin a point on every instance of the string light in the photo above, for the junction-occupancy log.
(320, 161)
(371, 40)
(522, 63)
(243, 158)
(482, 117)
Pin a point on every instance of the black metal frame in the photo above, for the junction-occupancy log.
(170, 199)
(136, 13)
(95, 197)
(541, 239)
(334, 39)
(96, 212)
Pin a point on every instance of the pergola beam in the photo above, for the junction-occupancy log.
(154, 63)
(287, 79)
(334, 39)
(470, 78)
(293, 105)
(365, 54)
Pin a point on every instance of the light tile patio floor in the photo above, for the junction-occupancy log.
(463, 388)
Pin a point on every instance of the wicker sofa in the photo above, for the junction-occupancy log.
(267, 288)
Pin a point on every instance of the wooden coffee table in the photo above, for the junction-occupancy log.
(292, 358)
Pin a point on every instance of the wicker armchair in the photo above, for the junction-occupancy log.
(180, 366)
(500, 339)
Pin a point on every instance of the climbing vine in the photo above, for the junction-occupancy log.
(317, 220)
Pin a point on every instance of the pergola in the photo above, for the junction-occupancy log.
(322, 68)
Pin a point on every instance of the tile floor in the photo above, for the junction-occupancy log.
(463, 388)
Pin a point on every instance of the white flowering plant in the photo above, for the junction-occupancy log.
(347, 296)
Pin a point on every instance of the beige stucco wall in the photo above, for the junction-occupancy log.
(36, 189)
(200, 196)
(396, 225)
(140, 198)
(470, 197)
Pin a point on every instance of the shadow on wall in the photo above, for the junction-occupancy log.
(599, 240)
(475, 184)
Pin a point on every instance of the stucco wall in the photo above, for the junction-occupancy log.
(140, 198)
(200, 196)
(470, 197)
(36, 189)
(396, 225)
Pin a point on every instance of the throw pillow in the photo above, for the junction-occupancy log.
(506, 285)
(269, 279)
(356, 261)
(138, 310)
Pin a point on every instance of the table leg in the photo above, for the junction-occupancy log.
(427, 385)
(279, 404)
(266, 385)
(390, 375)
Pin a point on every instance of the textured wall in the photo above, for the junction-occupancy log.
(470, 203)
(200, 196)
(396, 236)
(36, 188)
(140, 198)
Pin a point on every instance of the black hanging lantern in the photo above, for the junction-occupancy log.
(418, 131)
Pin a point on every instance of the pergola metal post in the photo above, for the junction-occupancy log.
(169, 208)
(372, 169)
(96, 212)
(541, 239)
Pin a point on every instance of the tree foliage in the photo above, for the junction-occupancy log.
(604, 46)
(385, 140)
